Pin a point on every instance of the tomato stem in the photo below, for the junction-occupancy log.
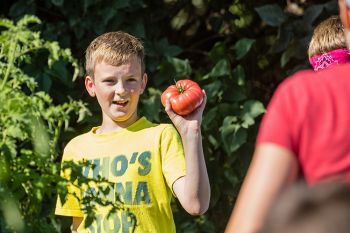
(179, 87)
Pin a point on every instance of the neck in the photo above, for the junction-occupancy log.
(108, 125)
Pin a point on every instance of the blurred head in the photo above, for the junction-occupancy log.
(327, 36)
(324, 208)
(328, 45)
(113, 48)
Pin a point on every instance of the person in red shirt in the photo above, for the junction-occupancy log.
(304, 133)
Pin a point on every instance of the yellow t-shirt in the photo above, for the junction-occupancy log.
(142, 161)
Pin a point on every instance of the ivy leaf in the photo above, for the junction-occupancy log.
(239, 75)
(151, 105)
(272, 14)
(251, 109)
(182, 67)
(287, 55)
(312, 12)
(232, 134)
(209, 117)
(242, 47)
(221, 68)
(165, 49)
(89, 220)
(285, 35)
(57, 2)
(212, 90)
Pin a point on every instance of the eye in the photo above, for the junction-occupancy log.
(108, 81)
(131, 80)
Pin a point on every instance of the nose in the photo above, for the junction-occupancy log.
(120, 88)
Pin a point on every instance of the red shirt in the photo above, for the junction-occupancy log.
(309, 114)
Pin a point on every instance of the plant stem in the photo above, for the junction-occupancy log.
(55, 138)
(11, 55)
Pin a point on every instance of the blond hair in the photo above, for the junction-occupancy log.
(114, 48)
(327, 36)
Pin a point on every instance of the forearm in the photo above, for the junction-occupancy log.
(196, 186)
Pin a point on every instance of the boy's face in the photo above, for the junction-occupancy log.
(117, 89)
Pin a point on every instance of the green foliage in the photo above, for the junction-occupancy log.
(30, 125)
(238, 51)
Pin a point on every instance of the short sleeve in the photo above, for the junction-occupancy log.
(173, 158)
(71, 206)
(280, 120)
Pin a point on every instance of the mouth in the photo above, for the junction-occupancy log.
(120, 103)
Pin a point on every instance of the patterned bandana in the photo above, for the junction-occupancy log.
(337, 56)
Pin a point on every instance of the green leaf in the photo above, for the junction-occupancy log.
(151, 105)
(218, 51)
(213, 141)
(179, 20)
(272, 14)
(232, 134)
(40, 138)
(57, 2)
(11, 213)
(251, 109)
(287, 55)
(312, 13)
(27, 19)
(6, 23)
(212, 90)
(16, 132)
(89, 220)
(209, 116)
(221, 68)
(120, 4)
(234, 94)
(239, 75)
(165, 49)
(285, 35)
(182, 67)
(242, 47)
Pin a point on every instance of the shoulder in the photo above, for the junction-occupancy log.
(301, 86)
(159, 127)
(167, 128)
(77, 142)
(312, 79)
(298, 79)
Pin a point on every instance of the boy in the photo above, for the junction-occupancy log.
(145, 161)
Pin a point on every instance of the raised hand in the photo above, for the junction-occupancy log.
(191, 121)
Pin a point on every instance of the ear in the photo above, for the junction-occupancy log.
(344, 14)
(144, 82)
(90, 86)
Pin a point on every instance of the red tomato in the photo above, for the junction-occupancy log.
(185, 96)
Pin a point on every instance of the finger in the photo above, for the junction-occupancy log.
(168, 106)
(204, 102)
(204, 97)
(169, 110)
